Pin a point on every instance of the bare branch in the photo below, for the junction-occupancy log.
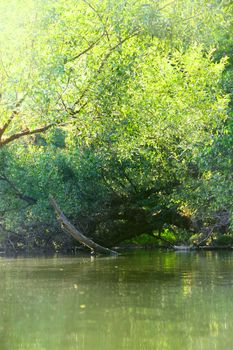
(76, 234)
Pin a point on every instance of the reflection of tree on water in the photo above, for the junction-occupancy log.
(141, 301)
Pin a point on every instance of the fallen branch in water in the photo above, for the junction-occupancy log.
(68, 227)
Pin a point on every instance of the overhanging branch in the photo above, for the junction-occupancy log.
(24, 133)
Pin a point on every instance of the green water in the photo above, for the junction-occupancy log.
(145, 300)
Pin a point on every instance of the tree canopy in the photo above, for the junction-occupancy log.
(122, 110)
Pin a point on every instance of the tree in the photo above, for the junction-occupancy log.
(136, 103)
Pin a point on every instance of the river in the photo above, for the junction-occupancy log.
(137, 301)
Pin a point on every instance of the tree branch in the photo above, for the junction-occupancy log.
(99, 16)
(166, 5)
(69, 228)
(18, 193)
(99, 70)
(6, 125)
(24, 133)
(14, 113)
(113, 48)
(86, 50)
(166, 241)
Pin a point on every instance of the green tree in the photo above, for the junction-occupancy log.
(131, 96)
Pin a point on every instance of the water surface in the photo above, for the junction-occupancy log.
(139, 301)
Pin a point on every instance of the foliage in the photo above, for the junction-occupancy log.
(224, 240)
(126, 109)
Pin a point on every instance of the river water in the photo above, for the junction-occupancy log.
(138, 301)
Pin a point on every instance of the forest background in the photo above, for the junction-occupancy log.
(122, 110)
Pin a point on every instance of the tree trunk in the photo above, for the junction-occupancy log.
(68, 227)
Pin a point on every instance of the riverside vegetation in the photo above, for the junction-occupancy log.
(121, 110)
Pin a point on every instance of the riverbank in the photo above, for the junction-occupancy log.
(121, 249)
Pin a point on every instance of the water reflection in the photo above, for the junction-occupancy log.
(152, 300)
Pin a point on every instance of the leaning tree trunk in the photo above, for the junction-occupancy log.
(80, 237)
